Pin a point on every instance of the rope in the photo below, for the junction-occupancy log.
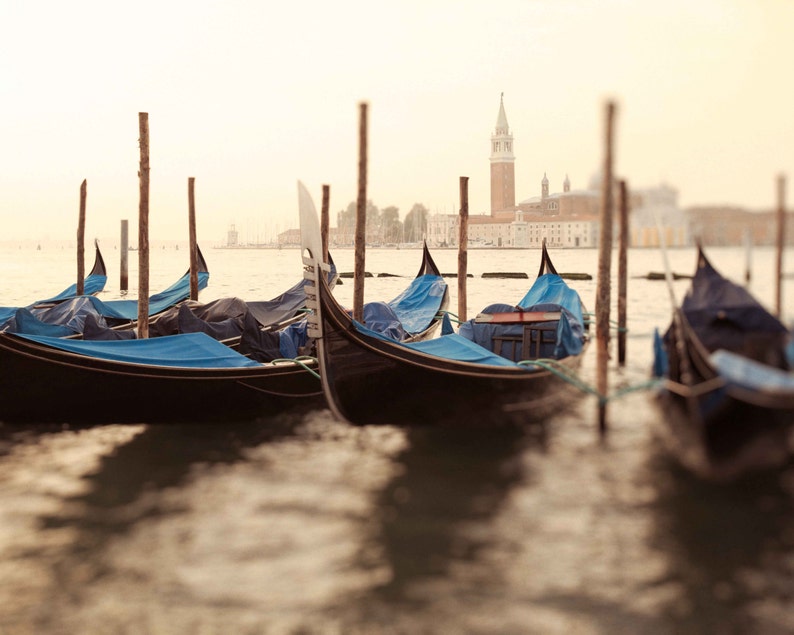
(612, 323)
(300, 361)
(570, 376)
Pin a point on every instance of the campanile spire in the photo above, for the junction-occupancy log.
(503, 187)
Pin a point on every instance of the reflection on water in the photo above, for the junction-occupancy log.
(431, 518)
(730, 550)
(301, 524)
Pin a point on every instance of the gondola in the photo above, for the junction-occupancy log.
(727, 390)
(93, 283)
(67, 317)
(417, 313)
(447, 380)
(187, 377)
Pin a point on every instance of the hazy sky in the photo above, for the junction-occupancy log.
(250, 96)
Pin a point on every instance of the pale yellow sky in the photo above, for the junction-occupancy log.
(250, 96)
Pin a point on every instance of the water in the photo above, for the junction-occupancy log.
(297, 523)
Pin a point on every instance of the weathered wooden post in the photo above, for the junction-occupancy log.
(143, 227)
(604, 268)
(125, 253)
(324, 220)
(193, 248)
(623, 272)
(781, 236)
(361, 218)
(463, 244)
(81, 241)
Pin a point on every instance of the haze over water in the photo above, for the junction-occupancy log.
(298, 523)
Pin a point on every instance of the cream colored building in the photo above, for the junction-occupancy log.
(570, 218)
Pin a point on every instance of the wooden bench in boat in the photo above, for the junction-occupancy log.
(540, 327)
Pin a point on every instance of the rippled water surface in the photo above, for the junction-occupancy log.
(298, 523)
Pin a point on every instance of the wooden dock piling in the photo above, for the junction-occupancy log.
(463, 243)
(125, 257)
(623, 272)
(361, 218)
(193, 246)
(143, 227)
(81, 241)
(604, 268)
(781, 235)
(325, 220)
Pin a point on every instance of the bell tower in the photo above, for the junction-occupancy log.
(503, 181)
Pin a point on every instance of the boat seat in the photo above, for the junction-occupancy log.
(538, 334)
(515, 343)
(529, 344)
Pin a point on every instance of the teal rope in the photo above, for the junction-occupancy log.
(612, 323)
(452, 316)
(568, 375)
(300, 361)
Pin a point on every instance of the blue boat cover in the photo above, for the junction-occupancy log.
(93, 283)
(72, 311)
(739, 370)
(417, 306)
(452, 346)
(159, 302)
(790, 352)
(292, 338)
(189, 350)
(25, 322)
(661, 363)
(69, 314)
(457, 347)
(714, 299)
(552, 289)
(381, 317)
(549, 293)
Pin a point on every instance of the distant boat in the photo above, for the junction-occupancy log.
(728, 392)
(66, 314)
(94, 283)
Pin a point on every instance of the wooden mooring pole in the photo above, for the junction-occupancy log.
(623, 272)
(325, 219)
(193, 246)
(463, 244)
(361, 218)
(81, 241)
(124, 284)
(604, 270)
(143, 227)
(781, 241)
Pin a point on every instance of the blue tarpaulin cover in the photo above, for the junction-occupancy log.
(177, 292)
(552, 289)
(189, 350)
(712, 298)
(416, 307)
(457, 347)
(72, 312)
(549, 293)
(452, 346)
(381, 317)
(741, 371)
(93, 283)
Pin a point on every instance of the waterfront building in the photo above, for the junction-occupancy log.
(567, 218)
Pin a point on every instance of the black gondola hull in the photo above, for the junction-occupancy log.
(42, 384)
(717, 428)
(372, 381)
